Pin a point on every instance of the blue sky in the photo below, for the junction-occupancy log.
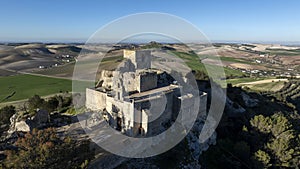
(227, 20)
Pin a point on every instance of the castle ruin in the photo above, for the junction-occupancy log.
(137, 99)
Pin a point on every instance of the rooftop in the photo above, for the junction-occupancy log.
(152, 92)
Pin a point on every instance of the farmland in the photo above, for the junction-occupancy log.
(23, 86)
(193, 61)
(28, 69)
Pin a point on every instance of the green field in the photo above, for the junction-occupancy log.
(235, 60)
(193, 61)
(269, 87)
(20, 87)
(284, 52)
(24, 86)
(265, 87)
(245, 80)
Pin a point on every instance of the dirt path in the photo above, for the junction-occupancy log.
(263, 81)
(35, 74)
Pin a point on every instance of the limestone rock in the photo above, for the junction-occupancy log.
(41, 119)
(195, 144)
(249, 102)
(22, 126)
(16, 125)
(233, 108)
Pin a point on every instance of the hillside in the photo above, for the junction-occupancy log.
(31, 57)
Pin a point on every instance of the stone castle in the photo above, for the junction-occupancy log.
(137, 99)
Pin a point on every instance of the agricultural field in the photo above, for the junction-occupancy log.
(4, 72)
(284, 52)
(23, 86)
(267, 87)
(237, 81)
(66, 70)
(195, 63)
(259, 84)
(290, 92)
(31, 57)
(21, 77)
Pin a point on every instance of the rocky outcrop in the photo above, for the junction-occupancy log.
(22, 126)
(248, 101)
(41, 117)
(233, 108)
(17, 125)
(195, 144)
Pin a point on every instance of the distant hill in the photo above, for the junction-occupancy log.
(32, 56)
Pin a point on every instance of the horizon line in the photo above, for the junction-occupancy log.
(81, 41)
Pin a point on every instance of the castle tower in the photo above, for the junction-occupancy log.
(140, 58)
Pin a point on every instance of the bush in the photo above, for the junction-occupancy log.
(6, 113)
(52, 104)
(44, 149)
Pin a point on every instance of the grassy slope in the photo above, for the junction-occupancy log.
(284, 52)
(193, 61)
(67, 69)
(270, 87)
(245, 80)
(26, 86)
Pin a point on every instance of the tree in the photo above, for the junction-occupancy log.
(52, 104)
(35, 102)
(282, 145)
(60, 101)
(280, 124)
(6, 113)
(261, 123)
(263, 159)
(44, 149)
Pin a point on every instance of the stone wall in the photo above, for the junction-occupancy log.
(146, 81)
(95, 100)
(129, 81)
(105, 79)
(141, 59)
(166, 114)
(152, 113)
(129, 54)
(121, 109)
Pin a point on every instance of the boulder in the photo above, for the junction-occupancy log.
(16, 125)
(39, 120)
(41, 117)
(22, 126)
